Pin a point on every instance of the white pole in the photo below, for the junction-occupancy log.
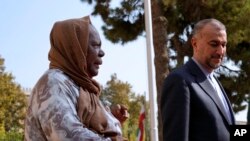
(152, 96)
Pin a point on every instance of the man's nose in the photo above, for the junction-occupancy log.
(221, 49)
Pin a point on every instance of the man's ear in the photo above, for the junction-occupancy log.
(193, 42)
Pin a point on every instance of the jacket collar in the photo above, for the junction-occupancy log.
(206, 86)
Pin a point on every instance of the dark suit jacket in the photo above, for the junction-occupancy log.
(191, 110)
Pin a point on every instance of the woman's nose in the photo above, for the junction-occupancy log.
(101, 53)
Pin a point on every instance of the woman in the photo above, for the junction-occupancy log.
(64, 104)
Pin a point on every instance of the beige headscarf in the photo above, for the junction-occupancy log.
(69, 47)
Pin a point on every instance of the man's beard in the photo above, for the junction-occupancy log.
(213, 65)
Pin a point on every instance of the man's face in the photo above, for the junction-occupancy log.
(210, 47)
(95, 53)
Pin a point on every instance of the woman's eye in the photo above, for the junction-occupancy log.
(96, 45)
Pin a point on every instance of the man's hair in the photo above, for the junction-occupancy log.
(201, 24)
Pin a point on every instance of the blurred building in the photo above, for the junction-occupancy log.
(27, 92)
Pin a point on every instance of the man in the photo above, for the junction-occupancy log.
(194, 105)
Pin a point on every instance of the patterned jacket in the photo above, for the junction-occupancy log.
(52, 114)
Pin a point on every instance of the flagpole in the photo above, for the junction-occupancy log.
(152, 96)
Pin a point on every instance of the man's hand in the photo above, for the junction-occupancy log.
(120, 112)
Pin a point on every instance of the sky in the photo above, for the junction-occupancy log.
(24, 43)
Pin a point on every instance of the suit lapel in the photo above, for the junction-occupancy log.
(206, 86)
(209, 90)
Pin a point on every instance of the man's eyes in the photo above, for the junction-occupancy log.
(213, 44)
(216, 44)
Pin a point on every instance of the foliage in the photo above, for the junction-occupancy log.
(12, 103)
(122, 23)
(11, 136)
(118, 92)
(2, 131)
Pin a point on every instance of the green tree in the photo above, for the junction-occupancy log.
(116, 91)
(119, 92)
(12, 103)
(2, 132)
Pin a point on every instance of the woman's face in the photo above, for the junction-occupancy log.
(95, 53)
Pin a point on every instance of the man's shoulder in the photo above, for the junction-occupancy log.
(180, 71)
